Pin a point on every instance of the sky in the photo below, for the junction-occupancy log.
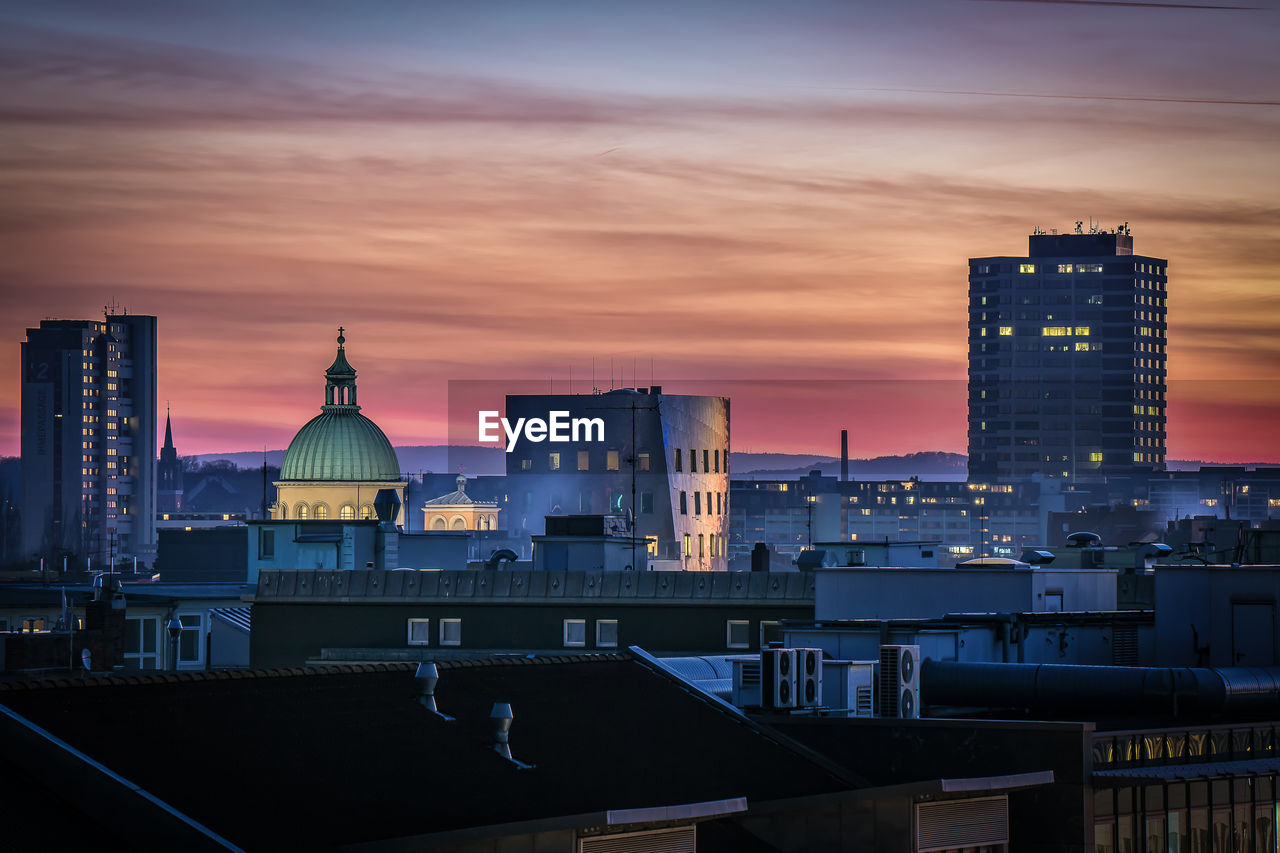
(773, 201)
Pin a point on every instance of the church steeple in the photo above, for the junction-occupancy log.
(340, 381)
(168, 448)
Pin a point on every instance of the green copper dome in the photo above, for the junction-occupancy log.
(340, 443)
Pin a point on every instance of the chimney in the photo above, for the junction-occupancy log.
(760, 558)
(501, 718)
(844, 456)
(426, 677)
(387, 546)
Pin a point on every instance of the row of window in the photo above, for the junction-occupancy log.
(710, 461)
(722, 502)
(719, 545)
(574, 633)
(320, 511)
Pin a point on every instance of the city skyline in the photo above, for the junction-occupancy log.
(753, 202)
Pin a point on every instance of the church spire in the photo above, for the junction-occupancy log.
(340, 380)
(168, 431)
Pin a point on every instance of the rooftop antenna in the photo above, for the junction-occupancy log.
(1079, 226)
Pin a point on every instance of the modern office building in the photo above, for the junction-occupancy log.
(1067, 360)
(662, 457)
(89, 439)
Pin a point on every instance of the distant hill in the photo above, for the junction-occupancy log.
(438, 459)
(781, 466)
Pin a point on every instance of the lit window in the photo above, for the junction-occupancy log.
(575, 633)
(1082, 346)
(367, 513)
(1095, 456)
(607, 633)
(553, 461)
(1026, 268)
(450, 632)
(642, 461)
(610, 460)
(320, 512)
(688, 545)
(419, 632)
(702, 546)
(302, 512)
(1082, 330)
(584, 460)
(1055, 331)
(1006, 331)
(1137, 457)
(1064, 267)
(1088, 267)
(347, 513)
(526, 464)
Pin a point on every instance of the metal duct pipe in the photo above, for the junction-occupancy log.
(1123, 689)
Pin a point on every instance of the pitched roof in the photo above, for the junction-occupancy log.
(319, 757)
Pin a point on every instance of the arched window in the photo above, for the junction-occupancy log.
(347, 513)
(493, 522)
(438, 523)
(302, 512)
(284, 510)
(320, 511)
(366, 512)
(459, 523)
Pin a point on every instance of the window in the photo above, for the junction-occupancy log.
(1006, 331)
(553, 461)
(719, 510)
(717, 461)
(367, 512)
(1055, 331)
(584, 460)
(642, 461)
(321, 511)
(1053, 601)
(303, 512)
(1082, 330)
(1095, 456)
(31, 624)
(1064, 267)
(418, 632)
(770, 634)
(678, 468)
(693, 461)
(737, 634)
(347, 513)
(725, 457)
(606, 633)
(1026, 268)
(706, 461)
(266, 543)
(450, 632)
(611, 460)
(575, 633)
(688, 545)
(646, 502)
(190, 641)
(684, 503)
(702, 545)
(1088, 267)
(140, 642)
(1082, 346)
(526, 464)
(697, 503)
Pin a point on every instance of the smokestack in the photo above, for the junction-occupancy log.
(844, 456)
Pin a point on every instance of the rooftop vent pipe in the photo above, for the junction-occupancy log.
(501, 718)
(426, 677)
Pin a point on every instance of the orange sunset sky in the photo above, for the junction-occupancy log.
(772, 201)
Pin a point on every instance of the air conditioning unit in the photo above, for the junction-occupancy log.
(808, 678)
(849, 687)
(899, 681)
(778, 678)
(746, 681)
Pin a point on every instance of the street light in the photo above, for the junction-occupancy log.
(175, 631)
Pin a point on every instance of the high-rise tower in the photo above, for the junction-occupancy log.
(89, 438)
(1067, 360)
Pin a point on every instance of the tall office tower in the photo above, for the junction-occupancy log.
(662, 457)
(89, 439)
(1067, 361)
(168, 473)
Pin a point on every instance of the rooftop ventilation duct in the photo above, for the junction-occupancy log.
(1037, 558)
(1083, 540)
(501, 718)
(426, 677)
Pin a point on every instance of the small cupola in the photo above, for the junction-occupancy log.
(340, 380)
